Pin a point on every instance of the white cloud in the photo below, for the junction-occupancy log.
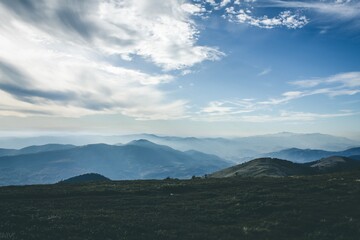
(161, 31)
(285, 18)
(193, 8)
(241, 12)
(225, 3)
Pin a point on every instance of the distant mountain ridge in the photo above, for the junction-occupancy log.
(236, 149)
(136, 160)
(273, 167)
(35, 149)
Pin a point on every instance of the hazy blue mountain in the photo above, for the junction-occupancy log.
(137, 160)
(85, 178)
(7, 152)
(273, 167)
(349, 152)
(308, 155)
(78, 140)
(234, 149)
(35, 149)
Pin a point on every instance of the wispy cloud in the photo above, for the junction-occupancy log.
(221, 108)
(277, 116)
(286, 116)
(264, 72)
(349, 80)
(337, 8)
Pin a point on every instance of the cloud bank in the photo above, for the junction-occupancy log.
(57, 57)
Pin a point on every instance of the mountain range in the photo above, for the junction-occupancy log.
(234, 149)
(140, 159)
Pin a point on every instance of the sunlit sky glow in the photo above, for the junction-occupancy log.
(177, 67)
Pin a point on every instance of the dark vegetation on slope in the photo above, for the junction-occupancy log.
(319, 207)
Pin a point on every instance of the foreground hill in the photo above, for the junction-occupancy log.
(263, 167)
(308, 155)
(136, 160)
(86, 178)
(304, 208)
(273, 167)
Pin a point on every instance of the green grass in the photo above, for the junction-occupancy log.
(316, 207)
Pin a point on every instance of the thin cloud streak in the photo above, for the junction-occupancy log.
(345, 84)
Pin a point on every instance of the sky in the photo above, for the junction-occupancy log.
(180, 67)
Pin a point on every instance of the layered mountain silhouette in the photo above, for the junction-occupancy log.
(140, 159)
(273, 167)
(235, 149)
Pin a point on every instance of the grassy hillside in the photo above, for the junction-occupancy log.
(303, 208)
(273, 167)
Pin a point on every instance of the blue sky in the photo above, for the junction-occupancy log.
(200, 68)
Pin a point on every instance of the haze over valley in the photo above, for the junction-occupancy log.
(148, 156)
